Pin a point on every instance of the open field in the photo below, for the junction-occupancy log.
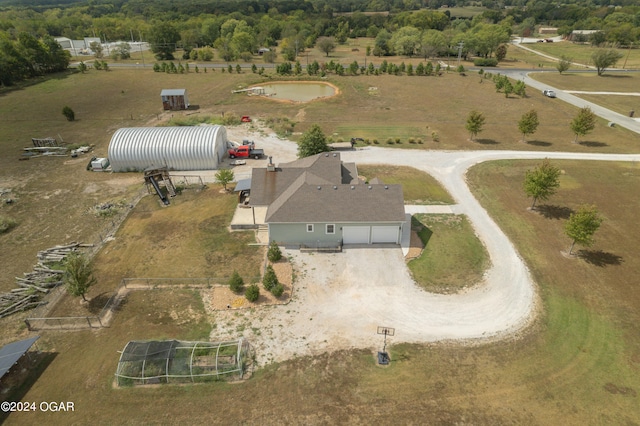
(579, 365)
(581, 53)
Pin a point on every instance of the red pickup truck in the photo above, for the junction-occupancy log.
(245, 151)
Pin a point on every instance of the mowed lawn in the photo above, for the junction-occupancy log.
(577, 365)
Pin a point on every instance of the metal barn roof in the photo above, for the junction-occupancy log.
(173, 92)
(11, 353)
(178, 148)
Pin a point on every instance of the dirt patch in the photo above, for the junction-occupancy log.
(222, 298)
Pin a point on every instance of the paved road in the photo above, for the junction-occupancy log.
(611, 116)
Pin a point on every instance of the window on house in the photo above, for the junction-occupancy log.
(331, 228)
(310, 227)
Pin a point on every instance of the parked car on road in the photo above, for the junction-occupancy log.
(549, 93)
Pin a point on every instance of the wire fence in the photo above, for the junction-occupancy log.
(106, 314)
(40, 315)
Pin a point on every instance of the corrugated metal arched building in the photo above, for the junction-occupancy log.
(178, 148)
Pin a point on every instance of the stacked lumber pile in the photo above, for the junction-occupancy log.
(35, 284)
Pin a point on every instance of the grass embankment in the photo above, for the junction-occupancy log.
(453, 257)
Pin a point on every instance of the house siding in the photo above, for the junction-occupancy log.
(295, 234)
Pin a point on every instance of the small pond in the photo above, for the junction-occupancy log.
(297, 91)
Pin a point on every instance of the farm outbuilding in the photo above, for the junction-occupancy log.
(174, 99)
(177, 148)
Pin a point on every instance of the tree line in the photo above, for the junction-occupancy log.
(27, 56)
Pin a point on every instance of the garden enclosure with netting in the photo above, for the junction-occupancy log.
(174, 361)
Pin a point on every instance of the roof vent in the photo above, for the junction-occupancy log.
(327, 154)
(353, 187)
(335, 187)
(319, 187)
(370, 187)
(386, 187)
(335, 155)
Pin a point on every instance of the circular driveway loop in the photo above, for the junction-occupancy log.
(340, 299)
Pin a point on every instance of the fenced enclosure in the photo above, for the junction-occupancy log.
(40, 320)
(174, 361)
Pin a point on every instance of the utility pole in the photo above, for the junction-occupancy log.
(460, 46)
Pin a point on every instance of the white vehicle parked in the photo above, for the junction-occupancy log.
(549, 93)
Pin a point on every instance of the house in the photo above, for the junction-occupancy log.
(174, 99)
(319, 202)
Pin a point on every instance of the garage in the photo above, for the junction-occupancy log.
(385, 234)
(355, 234)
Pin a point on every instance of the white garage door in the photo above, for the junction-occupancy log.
(355, 234)
(384, 234)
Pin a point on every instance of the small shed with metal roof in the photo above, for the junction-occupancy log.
(174, 99)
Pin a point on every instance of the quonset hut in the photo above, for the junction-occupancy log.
(177, 148)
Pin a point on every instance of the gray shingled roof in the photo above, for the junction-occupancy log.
(319, 169)
(338, 203)
(322, 188)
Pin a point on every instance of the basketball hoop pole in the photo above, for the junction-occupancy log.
(383, 357)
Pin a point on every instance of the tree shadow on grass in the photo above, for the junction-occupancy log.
(487, 142)
(98, 302)
(600, 258)
(539, 143)
(554, 212)
(592, 144)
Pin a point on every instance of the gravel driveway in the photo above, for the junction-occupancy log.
(340, 299)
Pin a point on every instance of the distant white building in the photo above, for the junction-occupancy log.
(581, 34)
(76, 47)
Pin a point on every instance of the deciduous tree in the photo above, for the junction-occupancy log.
(563, 64)
(475, 122)
(605, 58)
(326, 45)
(583, 123)
(78, 275)
(163, 38)
(224, 177)
(528, 123)
(541, 182)
(582, 225)
(312, 142)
